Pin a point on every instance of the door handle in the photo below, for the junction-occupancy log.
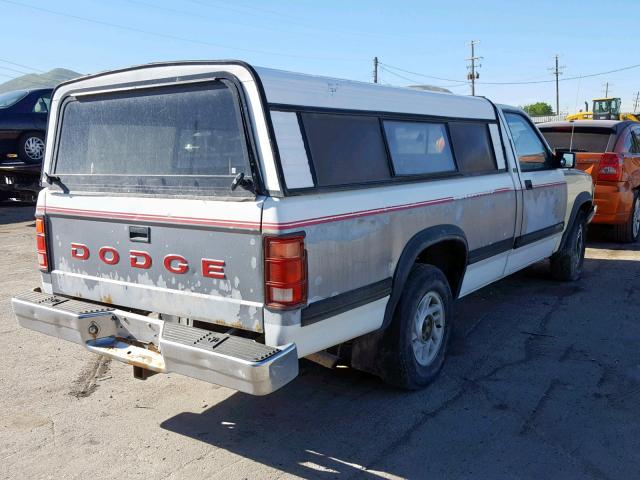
(528, 185)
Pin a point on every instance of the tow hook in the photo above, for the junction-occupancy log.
(93, 330)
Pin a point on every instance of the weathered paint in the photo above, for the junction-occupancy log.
(235, 301)
(373, 239)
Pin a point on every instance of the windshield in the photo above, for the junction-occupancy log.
(8, 99)
(585, 139)
(186, 140)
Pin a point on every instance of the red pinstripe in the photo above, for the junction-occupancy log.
(267, 225)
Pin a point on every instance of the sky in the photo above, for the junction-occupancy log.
(518, 40)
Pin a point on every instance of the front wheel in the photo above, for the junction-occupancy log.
(566, 264)
(416, 343)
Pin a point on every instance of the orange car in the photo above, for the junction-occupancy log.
(609, 150)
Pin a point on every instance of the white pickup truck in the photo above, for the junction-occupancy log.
(222, 221)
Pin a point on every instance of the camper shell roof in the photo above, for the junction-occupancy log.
(281, 87)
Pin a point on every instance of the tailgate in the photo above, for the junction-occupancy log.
(200, 259)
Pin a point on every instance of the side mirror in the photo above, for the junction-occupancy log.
(565, 159)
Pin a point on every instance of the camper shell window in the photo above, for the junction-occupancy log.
(357, 149)
(419, 148)
(182, 140)
(346, 149)
(473, 147)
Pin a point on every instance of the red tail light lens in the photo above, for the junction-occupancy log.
(610, 167)
(285, 272)
(41, 244)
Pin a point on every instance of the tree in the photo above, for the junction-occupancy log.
(538, 109)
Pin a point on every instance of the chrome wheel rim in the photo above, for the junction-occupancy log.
(428, 328)
(34, 148)
(636, 217)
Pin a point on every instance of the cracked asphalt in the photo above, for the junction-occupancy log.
(542, 381)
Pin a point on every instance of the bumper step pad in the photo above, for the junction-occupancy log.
(223, 344)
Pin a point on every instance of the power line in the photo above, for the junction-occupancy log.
(20, 65)
(33, 82)
(47, 81)
(579, 77)
(413, 80)
(260, 12)
(166, 35)
(15, 70)
(422, 74)
(51, 77)
(201, 16)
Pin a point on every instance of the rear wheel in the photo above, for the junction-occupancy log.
(630, 231)
(416, 343)
(566, 264)
(31, 147)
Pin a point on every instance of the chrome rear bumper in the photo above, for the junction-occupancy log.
(160, 346)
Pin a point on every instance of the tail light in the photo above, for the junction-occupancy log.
(285, 272)
(41, 244)
(610, 167)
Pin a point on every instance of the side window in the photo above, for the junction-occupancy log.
(627, 142)
(346, 149)
(42, 104)
(532, 154)
(472, 147)
(419, 148)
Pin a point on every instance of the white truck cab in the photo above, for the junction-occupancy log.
(222, 221)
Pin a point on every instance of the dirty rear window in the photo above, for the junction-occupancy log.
(177, 140)
(584, 139)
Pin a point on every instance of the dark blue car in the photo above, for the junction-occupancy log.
(23, 121)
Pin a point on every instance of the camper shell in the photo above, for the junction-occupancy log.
(222, 221)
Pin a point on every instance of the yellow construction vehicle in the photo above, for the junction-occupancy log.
(605, 109)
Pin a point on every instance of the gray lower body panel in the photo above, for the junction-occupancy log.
(160, 346)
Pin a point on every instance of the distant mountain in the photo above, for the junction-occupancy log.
(39, 80)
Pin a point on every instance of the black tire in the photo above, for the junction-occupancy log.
(31, 147)
(566, 264)
(400, 365)
(4, 196)
(629, 232)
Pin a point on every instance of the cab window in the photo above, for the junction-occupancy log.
(532, 153)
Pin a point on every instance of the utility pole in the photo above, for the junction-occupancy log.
(557, 71)
(635, 103)
(473, 75)
(375, 69)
